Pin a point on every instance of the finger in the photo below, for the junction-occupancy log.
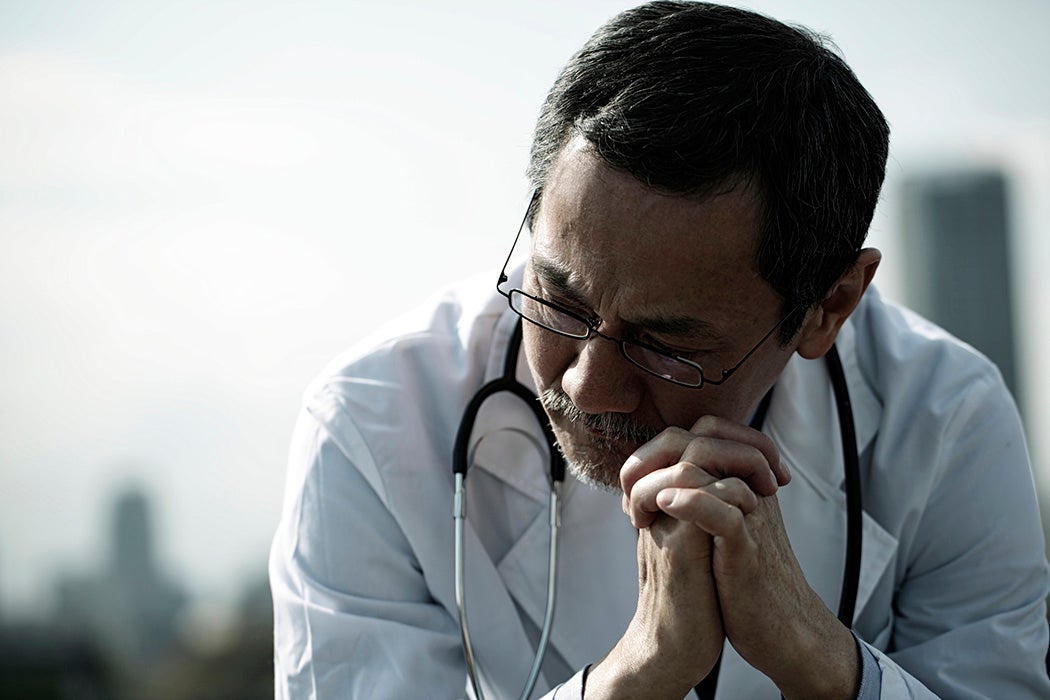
(701, 461)
(732, 491)
(641, 506)
(719, 446)
(724, 458)
(662, 451)
(721, 428)
(708, 511)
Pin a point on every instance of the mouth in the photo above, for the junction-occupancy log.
(609, 431)
(581, 438)
(602, 437)
(593, 454)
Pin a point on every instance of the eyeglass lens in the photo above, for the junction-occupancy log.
(560, 321)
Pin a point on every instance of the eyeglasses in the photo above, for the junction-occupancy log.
(660, 363)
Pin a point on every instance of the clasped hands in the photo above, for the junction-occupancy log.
(715, 563)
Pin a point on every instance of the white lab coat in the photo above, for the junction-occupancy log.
(953, 580)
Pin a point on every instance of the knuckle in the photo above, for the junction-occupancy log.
(768, 448)
(734, 484)
(684, 471)
(672, 432)
(705, 424)
(693, 475)
(632, 470)
(700, 450)
(735, 515)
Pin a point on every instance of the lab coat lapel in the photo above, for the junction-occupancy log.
(500, 643)
(507, 493)
(505, 505)
(803, 422)
(597, 574)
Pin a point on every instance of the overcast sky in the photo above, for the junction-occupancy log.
(202, 202)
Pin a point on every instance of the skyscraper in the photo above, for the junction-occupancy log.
(956, 229)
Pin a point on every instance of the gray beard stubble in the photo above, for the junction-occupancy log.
(617, 426)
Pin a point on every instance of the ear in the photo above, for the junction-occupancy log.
(822, 325)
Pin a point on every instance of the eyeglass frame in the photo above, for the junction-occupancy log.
(592, 324)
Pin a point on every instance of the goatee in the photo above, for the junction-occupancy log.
(616, 430)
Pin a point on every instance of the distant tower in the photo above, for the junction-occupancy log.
(957, 267)
(132, 537)
(129, 609)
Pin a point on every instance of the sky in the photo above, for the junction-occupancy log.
(202, 202)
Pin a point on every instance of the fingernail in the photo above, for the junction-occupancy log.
(623, 503)
(666, 498)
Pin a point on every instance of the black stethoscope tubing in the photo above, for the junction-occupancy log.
(850, 457)
(506, 382)
(460, 462)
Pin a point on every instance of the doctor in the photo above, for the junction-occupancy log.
(705, 178)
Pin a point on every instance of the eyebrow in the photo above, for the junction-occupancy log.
(556, 276)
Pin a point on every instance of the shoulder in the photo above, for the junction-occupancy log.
(943, 419)
(405, 385)
(447, 336)
(905, 359)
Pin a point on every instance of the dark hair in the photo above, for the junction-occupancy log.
(693, 98)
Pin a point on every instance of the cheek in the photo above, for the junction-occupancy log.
(548, 354)
(683, 407)
(679, 411)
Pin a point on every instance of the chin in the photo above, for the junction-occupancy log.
(595, 446)
(596, 475)
(598, 465)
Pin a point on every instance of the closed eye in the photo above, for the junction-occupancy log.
(571, 306)
(684, 353)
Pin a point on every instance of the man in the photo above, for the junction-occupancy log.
(704, 180)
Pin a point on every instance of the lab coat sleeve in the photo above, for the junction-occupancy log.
(969, 616)
(352, 614)
(571, 689)
(870, 673)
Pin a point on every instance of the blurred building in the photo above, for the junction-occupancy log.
(956, 228)
(37, 663)
(120, 633)
(129, 608)
(241, 669)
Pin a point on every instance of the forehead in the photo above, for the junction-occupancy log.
(624, 245)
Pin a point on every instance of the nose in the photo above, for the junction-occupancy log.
(601, 379)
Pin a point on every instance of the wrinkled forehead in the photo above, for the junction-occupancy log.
(620, 246)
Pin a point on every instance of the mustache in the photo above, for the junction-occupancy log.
(615, 426)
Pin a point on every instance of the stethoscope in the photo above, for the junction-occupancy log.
(507, 382)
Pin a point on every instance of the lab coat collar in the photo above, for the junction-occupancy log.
(595, 534)
(804, 405)
(803, 423)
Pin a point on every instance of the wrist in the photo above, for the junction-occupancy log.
(828, 668)
(624, 674)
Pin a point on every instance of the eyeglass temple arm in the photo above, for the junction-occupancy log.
(727, 373)
(521, 227)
